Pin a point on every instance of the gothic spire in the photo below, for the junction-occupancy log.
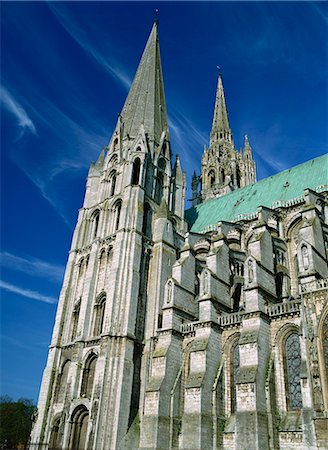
(220, 125)
(145, 103)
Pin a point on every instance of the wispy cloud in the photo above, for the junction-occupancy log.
(114, 68)
(32, 266)
(34, 295)
(13, 106)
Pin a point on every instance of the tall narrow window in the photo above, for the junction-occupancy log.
(75, 319)
(62, 382)
(160, 180)
(95, 220)
(88, 376)
(234, 370)
(211, 178)
(99, 315)
(147, 221)
(222, 176)
(80, 422)
(54, 442)
(292, 371)
(238, 176)
(112, 184)
(117, 215)
(279, 284)
(136, 172)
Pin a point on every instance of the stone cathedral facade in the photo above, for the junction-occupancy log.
(198, 329)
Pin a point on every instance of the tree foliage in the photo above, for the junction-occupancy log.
(15, 422)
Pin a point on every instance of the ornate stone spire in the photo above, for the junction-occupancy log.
(220, 125)
(145, 103)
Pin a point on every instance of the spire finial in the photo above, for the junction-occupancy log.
(156, 16)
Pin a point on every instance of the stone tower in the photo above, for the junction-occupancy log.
(91, 385)
(223, 168)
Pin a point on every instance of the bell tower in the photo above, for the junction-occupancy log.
(90, 391)
(223, 168)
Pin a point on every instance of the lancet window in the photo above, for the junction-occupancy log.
(147, 221)
(62, 382)
(160, 180)
(136, 171)
(54, 443)
(234, 370)
(75, 319)
(99, 313)
(112, 184)
(80, 422)
(117, 215)
(88, 376)
(95, 223)
(292, 360)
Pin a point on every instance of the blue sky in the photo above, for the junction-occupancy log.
(65, 72)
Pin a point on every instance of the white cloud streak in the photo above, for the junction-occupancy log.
(11, 105)
(32, 266)
(34, 295)
(113, 67)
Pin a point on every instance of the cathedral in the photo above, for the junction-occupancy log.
(197, 329)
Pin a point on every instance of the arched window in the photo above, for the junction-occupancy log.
(62, 382)
(236, 296)
(80, 420)
(75, 319)
(211, 178)
(54, 442)
(99, 313)
(292, 366)
(147, 221)
(279, 279)
(238, 177)
(112, 184)
(115, 144)
(95, 221)
(161, 166)
(117, 215)
(88, 376)
(222, 176)
(234, 370)
(136, 172)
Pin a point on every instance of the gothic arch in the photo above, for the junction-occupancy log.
(160, 179)
(79, 429)
(293, 226)
(116, 215)
(88, 375)
(95, 217)
(55, 437)
(61, 384)
(136, 171)
(211, 178)
(99, 314)
(288, 365)
(231, 355)
(75, 319)
(112, 179)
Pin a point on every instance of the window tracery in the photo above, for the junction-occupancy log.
(293, 369)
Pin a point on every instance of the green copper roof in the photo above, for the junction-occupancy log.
(270, 192)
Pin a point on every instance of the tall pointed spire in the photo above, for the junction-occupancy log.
(145, 103)
(220, 125)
